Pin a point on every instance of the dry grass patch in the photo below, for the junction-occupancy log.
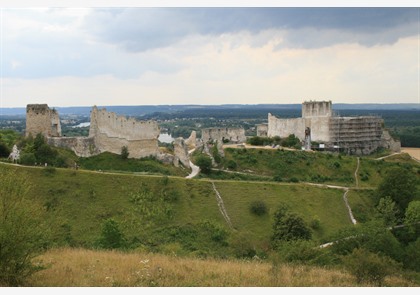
(79, 267)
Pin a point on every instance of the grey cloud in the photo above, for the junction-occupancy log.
(141, 29)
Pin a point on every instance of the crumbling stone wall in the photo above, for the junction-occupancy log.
(111, 132)
(236, 135)
(108, 132)
(262, 130)
(41, 119)
(81, 146)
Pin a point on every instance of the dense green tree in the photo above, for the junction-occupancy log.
(388, 211)
(289, 226)
(291, 141)
(4, 150)
(400, 185)
(124, 152)
(368, 267)
(23, 233)
(412, 256)
(412, 214)
(204, 162)
(412, 218)
(111, 235)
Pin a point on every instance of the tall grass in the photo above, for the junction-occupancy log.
(84, 268)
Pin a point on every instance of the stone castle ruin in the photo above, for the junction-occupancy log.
(235, 135)
(41, 119)
(108, 132)
(355, 135)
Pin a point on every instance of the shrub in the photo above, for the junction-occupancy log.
(231, 164)
(258, 208)
(400, 185)
(242, 246)
(48, 171)
(111, 236)
(215, 153)
(204, 162)
(315, 223)
(291, 141)
(412, 256)
(27, 159)
(369, 267)
(288, 226)
(303, 252)
(124, 152)
(294, 179)
(277, 178)
(23, 234)
(4, 150)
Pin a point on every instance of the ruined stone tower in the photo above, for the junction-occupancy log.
(41, 119)
(316, 109)
(360, 135)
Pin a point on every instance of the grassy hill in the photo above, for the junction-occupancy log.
(147, 207)
(162, 212)
(282, 165)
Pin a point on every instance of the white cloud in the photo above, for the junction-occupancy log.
(50, 56)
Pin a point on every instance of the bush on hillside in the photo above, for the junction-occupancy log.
(124, 152)
(288, 226)
(111, 235)
(368, 267)
(204, 162)
(258, 208)
(399, 184)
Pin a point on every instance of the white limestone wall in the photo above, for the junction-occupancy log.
(320, 128)
(285, 127)
(233, 134)
(41, 119)
(81, 146)
(262, 130)
(111, 132)
(115, 126)
(316, 109)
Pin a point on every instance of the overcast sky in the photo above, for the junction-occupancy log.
(151, 56)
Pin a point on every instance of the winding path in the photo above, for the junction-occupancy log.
(355, 172)
(222, 206)
(194, 169)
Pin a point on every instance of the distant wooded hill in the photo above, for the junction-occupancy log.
(141, 110)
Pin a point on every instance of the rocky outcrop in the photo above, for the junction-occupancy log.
(181, 153)
(191, 141)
